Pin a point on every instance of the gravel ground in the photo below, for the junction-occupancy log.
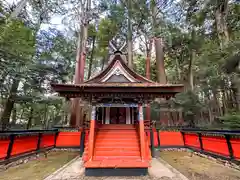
(199, 168)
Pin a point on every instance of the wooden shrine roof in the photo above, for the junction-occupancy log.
(117, 77)
(116, 62)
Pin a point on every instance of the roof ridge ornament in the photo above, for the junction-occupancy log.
(117, 44)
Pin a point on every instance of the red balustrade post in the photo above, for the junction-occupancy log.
(152, 143)
(55, 138)
(158, 138)
(200, 141)
(39, 141)
(230, 150)
(92, 133)
(183, 136)
(141, 133)
(82, 141)
(10, 146)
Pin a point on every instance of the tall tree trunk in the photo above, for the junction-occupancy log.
(191, 61)
(190, 71)
(216, 102)
(91, 58)
(14, 116)
(148, 75)
(129, 38)
(76, 115)
(161, 74)
(236, 90)
(9, 104)
(45, 117)
(178, 71)
(237, 83)
(210, 110)
(221, 22)
(148, 59)
(29, 124)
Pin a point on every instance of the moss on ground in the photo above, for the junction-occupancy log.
(39, 168)
(195, 167)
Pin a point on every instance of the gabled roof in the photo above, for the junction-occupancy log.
(118, 72)
(117, 77)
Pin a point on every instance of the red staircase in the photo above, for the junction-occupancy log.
(116, 146)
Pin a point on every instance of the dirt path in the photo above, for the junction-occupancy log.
(75, 171)
(198, 168)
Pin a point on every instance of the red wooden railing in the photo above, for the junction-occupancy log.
(223, 144)
(15, 144)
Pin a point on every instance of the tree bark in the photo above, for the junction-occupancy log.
(236, 90)
(161, 74)
(14, 116)
(45, 117)
(148, 76)
(130, 43)
(91, 58)
(178, 70)
(148, 59)
(76, 115)
(9, 104)
(29, 124)
(221, 22)
(190, 71)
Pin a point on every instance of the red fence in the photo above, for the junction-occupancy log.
(68, 139)
(223, 144)
(16, 144)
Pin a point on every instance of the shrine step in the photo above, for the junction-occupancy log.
(117, 163)
(101, 158)
(117, 167)
(117, 126)
(103, 172)
(115, 146)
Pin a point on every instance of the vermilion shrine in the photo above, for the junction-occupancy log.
(117, 135)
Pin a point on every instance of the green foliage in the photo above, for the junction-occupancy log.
(190, 104)
(231, 119)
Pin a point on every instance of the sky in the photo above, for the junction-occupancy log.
(56, 21)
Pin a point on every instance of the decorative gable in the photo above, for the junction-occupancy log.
(117, 71)
(118, 74)
(118, 78)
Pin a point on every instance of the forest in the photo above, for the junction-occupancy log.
(190, 42)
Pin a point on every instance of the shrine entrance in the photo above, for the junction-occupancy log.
(117, 96)
(117, 115)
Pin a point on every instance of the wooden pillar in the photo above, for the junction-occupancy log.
(128, 115)
(103, 120)
(107, 120)
(141, 132)
(132, 115)
(92, 133)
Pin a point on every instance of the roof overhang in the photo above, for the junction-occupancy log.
(123, 89)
